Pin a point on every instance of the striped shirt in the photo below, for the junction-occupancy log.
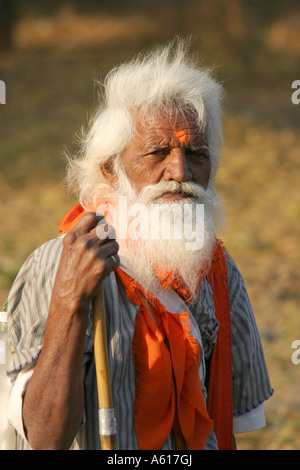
(28, 306)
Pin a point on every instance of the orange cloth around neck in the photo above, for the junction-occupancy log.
(168, 392)
(159, 397)
(71, 218)
(220, 398)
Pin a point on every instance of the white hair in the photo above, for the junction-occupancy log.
(164, 79)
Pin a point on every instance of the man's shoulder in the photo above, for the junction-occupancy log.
(236, 285)
(51, 249)
(233, 271)
(44, 258)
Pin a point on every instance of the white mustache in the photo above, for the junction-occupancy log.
(152, 192)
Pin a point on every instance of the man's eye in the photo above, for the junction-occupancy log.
(197, 153)
(160, 152)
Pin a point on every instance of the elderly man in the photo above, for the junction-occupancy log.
(187, 367)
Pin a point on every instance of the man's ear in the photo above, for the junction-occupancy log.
(107, 171)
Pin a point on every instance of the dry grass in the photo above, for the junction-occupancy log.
(49, 78)
(68, 29)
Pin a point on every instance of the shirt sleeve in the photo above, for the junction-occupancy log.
(28, 305)
(251, 383)
(251, 421)
(15, 405)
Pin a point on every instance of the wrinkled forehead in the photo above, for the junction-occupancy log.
(180, 125)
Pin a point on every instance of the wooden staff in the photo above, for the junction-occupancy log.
(106, 412)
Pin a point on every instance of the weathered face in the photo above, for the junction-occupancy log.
(165, 149)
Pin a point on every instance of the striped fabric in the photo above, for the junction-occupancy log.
(28, 306)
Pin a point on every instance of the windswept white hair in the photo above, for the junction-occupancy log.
(164, 79)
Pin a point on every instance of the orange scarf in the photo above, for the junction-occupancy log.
(168, 394)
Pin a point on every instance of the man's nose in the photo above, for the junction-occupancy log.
(177, 168)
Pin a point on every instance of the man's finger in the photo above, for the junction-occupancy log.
(113, 262)
(87, 223)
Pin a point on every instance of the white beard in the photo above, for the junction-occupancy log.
(141, 255)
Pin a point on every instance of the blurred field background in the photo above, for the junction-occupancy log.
(60, 49)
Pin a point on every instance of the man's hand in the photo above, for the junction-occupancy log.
(85, 262)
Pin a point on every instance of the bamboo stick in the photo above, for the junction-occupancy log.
(107, 426)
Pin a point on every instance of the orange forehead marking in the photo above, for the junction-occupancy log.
(181, 136)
